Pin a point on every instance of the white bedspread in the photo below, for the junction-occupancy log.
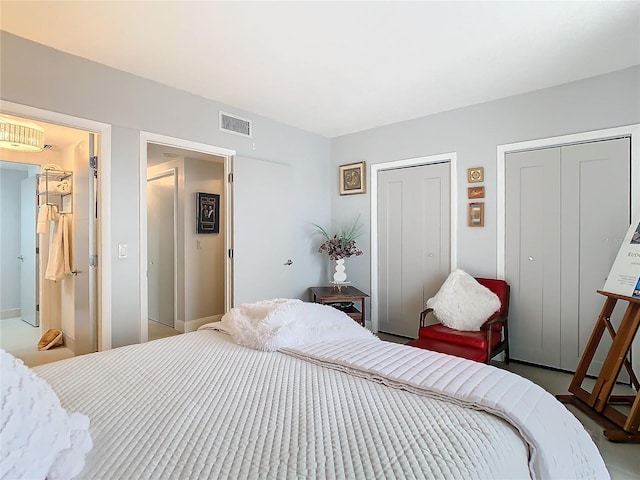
(560, 446)
(198, 406)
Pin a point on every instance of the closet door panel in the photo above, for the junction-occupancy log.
(595, 218)
(533, 255)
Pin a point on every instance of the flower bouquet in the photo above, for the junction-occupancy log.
(340, 246)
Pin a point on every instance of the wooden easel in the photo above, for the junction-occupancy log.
(597, 404)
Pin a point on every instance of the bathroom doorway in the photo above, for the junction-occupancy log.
(58, 177)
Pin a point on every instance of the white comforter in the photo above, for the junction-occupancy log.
(560, 447)
(199, 406)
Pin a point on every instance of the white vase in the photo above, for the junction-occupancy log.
(340, 276)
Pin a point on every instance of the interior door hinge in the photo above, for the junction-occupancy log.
(93, 260)
(231, 178)
(93, 163)
(231, 253)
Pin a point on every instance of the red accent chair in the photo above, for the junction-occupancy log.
(480, 346)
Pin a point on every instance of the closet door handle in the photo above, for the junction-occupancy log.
(74, 273)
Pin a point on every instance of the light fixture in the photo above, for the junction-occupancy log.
(20, 136)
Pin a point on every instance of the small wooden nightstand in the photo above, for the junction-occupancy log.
(346, 295)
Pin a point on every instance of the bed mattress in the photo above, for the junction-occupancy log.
(199, 406)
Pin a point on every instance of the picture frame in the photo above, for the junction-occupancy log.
(475, 174)
(352, 178)
(475, 192)
(208, 212)
(475, 216)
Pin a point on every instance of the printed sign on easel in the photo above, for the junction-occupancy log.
(624, 277)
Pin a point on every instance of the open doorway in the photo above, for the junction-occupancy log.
(57, 178)
(185, 269)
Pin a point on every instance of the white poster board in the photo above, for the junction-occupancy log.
(624, 277)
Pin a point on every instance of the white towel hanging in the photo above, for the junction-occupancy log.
(46, 213)
(59, 264)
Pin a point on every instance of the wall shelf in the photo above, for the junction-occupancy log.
(54, 187)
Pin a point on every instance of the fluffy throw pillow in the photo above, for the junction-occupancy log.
(462, 303)
(274, 324)
(39, 438)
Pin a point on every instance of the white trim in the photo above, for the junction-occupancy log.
(145, 138)
(452, 159)
(193, 325)
(629, 130)
(104, 201)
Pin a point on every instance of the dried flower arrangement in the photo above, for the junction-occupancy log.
(342, 245)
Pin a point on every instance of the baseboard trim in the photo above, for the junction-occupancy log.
(10, 313)
(68, 342)
(193, 325)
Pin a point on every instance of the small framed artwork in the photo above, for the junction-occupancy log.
(476, 214)
(208, 212)
(475, 175)
(352, 178)
(475, 192)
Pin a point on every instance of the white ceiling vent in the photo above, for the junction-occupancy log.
(234, 124)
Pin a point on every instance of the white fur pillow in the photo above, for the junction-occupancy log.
(462, 303)
(39, 438)
(274, 324)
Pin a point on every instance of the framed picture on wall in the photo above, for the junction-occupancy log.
(352, 178)
(208, 212)
(475, 175)
(476, 214)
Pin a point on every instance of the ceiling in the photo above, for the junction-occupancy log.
(334, 68)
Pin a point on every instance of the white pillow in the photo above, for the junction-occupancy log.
(462, 303)
(39, 438)
(271, 325)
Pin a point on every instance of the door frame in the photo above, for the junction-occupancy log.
(632, 131)
(103, 290)
(452, 158)
(149, 137)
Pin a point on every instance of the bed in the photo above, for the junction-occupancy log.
(311, 395)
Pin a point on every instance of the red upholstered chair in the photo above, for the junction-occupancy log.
(480, 346)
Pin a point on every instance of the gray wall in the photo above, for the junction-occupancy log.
(10, 214)
(474, 132)
(48, 79)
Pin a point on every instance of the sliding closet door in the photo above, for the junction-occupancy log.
(567, 210)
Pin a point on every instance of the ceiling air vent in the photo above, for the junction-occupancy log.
(236, 125)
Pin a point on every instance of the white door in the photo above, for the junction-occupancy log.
(82, 203)
(28, 284)
(414, 255)
(161, 218)
(262, 231)
(567, 209)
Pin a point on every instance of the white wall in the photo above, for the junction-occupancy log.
(10, 265)
(474, 133)
(41, 77)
